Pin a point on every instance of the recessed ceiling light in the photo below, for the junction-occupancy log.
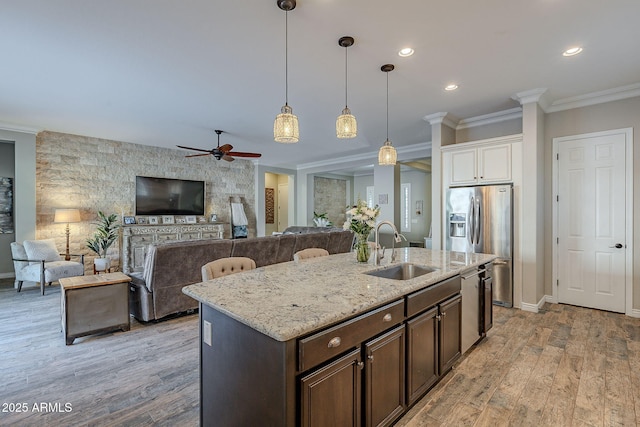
(450, 87)
(572, 51)
(407, 51)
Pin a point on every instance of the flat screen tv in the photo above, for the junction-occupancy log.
(165, 196)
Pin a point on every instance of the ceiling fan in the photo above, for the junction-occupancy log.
(219, 152)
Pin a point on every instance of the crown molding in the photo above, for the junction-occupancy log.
(593, 98)
(486, 119)
(441, 118)
(422, 148)
(529, 96)
(19, 128)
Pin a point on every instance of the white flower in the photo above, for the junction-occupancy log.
(371, 223)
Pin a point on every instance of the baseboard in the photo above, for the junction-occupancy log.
(7, 275)
(534, 308)
(634, 313)
(551, 299)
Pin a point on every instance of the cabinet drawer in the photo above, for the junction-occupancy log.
(432, 295)
(324, 345)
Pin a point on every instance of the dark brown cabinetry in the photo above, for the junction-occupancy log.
(384, 373)
(331, 396)
(363, 371)
(486, 283)
(449, 333)
(433, 337)
(422, 354)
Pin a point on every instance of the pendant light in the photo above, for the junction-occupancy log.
(285, 127)
(346, 126)
(387, 154)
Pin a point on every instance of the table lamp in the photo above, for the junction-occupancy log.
(67, 216)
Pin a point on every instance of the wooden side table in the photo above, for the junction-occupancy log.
(92, 304)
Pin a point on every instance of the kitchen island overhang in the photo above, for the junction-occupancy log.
(251, 325)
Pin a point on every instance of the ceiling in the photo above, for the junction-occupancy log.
(163, 72)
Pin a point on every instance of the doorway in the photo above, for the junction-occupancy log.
(277, 203)
(593, 220)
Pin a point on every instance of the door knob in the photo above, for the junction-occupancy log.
(617, 246)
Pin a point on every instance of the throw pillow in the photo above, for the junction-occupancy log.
(41, 249)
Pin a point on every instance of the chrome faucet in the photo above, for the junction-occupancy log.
(397, 238)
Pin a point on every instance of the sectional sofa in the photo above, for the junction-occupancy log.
(157, 291)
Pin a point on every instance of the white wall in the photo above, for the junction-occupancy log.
(24, 184)
(7, 169)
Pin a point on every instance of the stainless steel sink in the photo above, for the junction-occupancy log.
(402, 271)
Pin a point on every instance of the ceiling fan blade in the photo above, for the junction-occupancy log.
(195, 149)
(228, 158)
(226, 148)
(241, 154)
(198, 155)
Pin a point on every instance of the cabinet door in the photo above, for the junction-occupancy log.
(384, 385)
(495, 163)
(464, 167)
(487, 314)
(331, 396)
(450, 324)
(422, 354)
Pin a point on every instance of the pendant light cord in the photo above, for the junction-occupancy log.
(286, 58)
(346, 79)
(387, 106)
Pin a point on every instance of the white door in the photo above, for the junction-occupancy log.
(591, 221)
(283, 206)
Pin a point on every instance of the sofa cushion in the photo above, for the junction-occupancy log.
(311, 240)
(263, 250)
(53, 271)
(285, 248)
(41, 250)
(340, 242)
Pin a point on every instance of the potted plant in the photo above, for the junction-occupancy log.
(321, 220)
(105, 235)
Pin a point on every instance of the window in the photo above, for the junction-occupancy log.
(370, 202)
(405, 207)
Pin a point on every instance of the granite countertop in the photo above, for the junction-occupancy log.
(291, 299)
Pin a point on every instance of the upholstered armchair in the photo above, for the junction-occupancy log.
(40, 261)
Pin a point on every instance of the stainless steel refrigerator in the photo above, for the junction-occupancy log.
(480, 220)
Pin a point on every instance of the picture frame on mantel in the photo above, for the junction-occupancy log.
(153, 220)
(190, 219)
(167, 219)
(129, 220)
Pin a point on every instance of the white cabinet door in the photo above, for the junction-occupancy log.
(494, 163)
(464, 167)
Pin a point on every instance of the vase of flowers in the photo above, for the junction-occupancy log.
(361, 219)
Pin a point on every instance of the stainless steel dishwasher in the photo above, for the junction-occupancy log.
(471, 294)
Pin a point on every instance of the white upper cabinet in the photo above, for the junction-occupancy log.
(477, 163)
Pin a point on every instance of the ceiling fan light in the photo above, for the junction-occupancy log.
(346, 125)
(285, 127)
(387, 155)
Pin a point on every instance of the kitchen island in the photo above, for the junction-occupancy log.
(283, 345)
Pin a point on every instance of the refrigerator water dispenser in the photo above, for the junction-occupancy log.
(457, 225)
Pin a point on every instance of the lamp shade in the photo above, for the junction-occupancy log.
(387, 155)
(346, 125)
(285, 127)
(67, 215)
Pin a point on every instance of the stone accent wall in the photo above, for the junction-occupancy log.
(94, 174)
(330, 196)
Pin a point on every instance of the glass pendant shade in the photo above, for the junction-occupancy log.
(285, 127)
(387, 155)
(346, 125)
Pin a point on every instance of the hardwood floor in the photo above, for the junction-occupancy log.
(565, 366)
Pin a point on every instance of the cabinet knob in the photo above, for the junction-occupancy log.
(444, 313)
(387, 317)
(370, 357)
(334, 342)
